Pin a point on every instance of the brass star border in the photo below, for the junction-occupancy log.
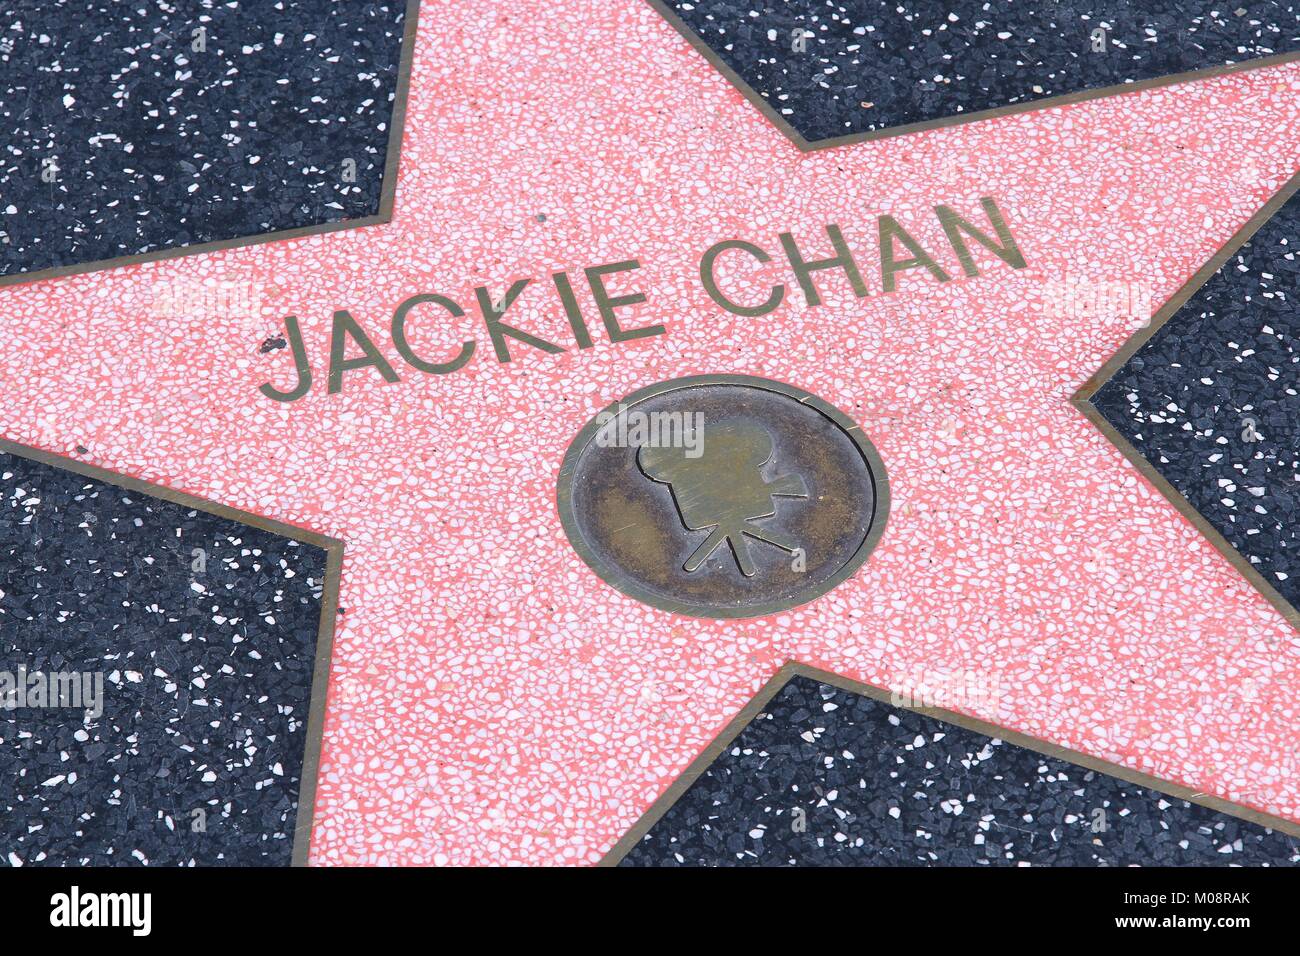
(1082, 400)
(793, 669)
(956, 119)
(387, 192)
(333, 548)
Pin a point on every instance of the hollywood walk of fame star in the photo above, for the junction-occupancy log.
(498, 708)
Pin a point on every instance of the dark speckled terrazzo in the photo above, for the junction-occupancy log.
(1213, 401)
(206, 676)
(881, 786)
(157, 145)
(873, 64)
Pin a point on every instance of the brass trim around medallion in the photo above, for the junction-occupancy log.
(791, 669)
(624, 583)
(329, 603)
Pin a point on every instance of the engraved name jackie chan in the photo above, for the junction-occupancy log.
(728, 271)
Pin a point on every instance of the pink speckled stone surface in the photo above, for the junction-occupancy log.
(491, 700)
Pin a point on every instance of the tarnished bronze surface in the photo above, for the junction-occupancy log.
(723, 496)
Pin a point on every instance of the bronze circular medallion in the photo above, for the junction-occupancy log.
(723, 496)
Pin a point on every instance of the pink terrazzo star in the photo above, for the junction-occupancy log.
(492, 700)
